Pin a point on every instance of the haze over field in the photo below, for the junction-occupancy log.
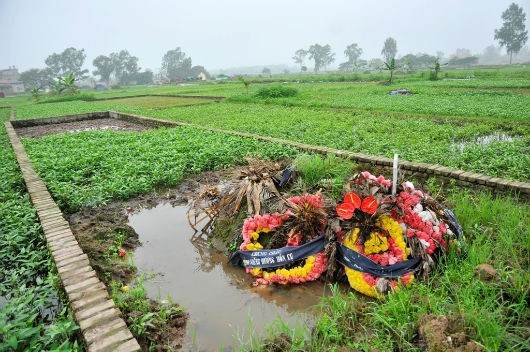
(224, 34)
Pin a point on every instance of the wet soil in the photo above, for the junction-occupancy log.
(440, 333)
(102, 232)
(78, 126)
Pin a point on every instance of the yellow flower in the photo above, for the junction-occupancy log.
(375, 244)
(254, 246)
(356, 280)
(394, 230)
(254, 236)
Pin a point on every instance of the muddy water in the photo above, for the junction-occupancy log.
(219, 297)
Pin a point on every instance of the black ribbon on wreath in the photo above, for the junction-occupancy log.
(359, 262)
(270, 258)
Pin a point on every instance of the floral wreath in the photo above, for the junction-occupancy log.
(384, 246)
(257, 229)
(389, 230)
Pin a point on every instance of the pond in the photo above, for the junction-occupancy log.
(223, 305)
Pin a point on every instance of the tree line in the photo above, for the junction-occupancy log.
(512, 36)
(119, 67)
(122, 67)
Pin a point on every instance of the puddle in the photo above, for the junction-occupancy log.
(484, 140)
(219, 298)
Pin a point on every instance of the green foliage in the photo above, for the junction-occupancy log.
(144, 317)
(328, 172)
(91, 168)
(391, 66)
(513, 34)
(445, 122)
(32, 318)
(277, 91)
(245, 82)
(35, 94)
(70, 60)
(69, 97)
(175, 64)
(322, 55)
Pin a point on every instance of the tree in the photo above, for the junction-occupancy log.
(420, 60)
(389, 50)
(145, 77)
(391, 66)
(66, 84)
(462, 53)
(175, 64)
(266, 71)
(125, 66)
(104, 67)
(36, 78)
(491, 55)
(245, 82)
(353, 52)
(433, 76)
(322, 55)
(513, 34)
(299, 57)
(196, 71)
(70, 60)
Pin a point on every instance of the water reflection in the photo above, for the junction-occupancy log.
(483, 140)
(219, 297)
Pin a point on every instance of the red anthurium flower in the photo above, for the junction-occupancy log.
(352, 198)
(345, 210)
(369, 205)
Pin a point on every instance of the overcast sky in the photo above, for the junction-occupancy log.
(230, 33)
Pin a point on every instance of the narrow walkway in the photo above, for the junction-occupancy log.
(101, 325)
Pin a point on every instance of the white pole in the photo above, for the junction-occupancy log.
(394, 175)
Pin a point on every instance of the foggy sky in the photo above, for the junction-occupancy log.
(229, 33)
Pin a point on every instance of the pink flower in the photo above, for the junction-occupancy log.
(122, 252)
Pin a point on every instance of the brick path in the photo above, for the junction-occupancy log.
(101, 325)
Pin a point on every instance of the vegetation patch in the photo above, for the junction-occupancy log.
(69, 97)
(157, 102)
(277, 91)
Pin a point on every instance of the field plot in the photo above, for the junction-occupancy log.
(480, 124)
(154, 102)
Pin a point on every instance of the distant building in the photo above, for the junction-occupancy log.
(222, 77)
(9, 81)
(202, 76)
